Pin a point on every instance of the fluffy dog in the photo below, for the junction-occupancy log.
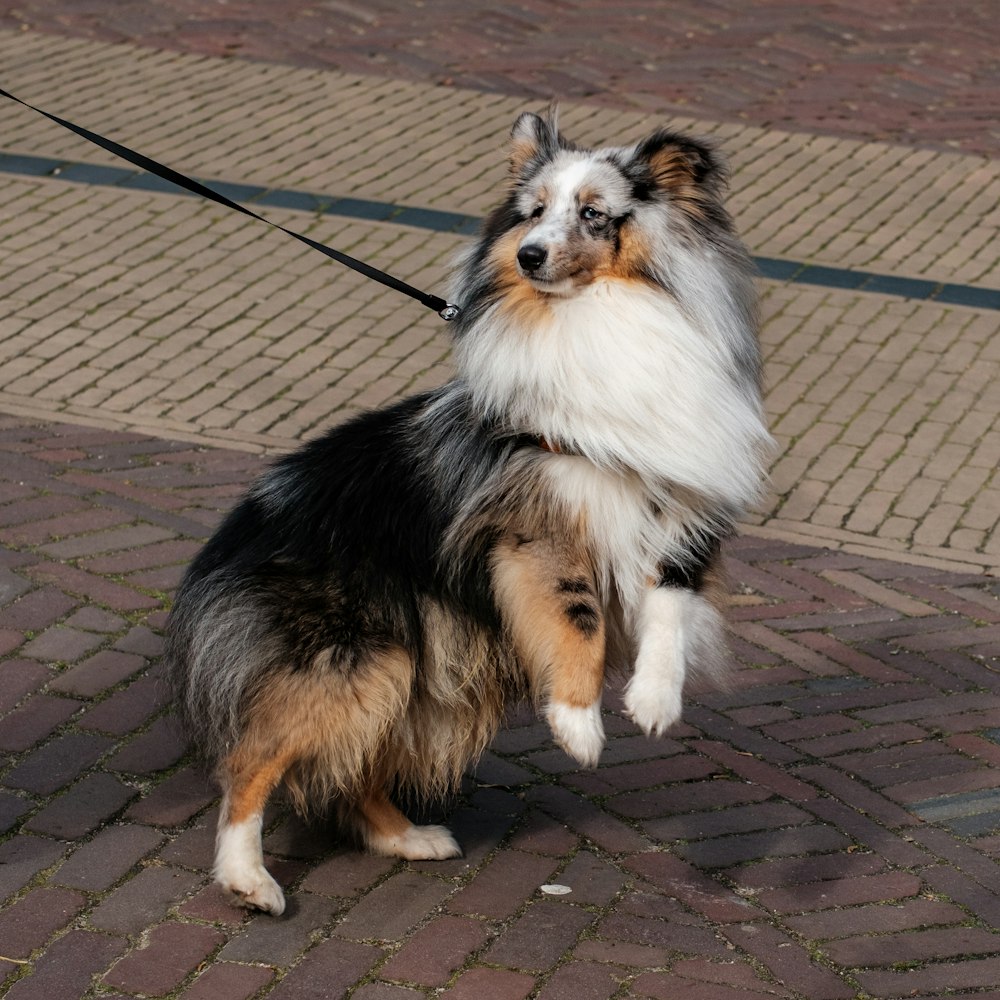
(362, 618)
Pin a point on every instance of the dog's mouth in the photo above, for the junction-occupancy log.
(552, 286)
(557, 284)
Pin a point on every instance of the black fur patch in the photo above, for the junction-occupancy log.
(337, 539)
(585, 617)
(689, 573)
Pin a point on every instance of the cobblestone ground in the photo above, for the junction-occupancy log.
(830, 827)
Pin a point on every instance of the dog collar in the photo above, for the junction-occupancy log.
(544, 443)
(552, 447)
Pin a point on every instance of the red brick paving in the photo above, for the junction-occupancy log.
(68, 966)
(172, 952)
(773, 845)
(34, 918)
(436, 951)
(920, 72)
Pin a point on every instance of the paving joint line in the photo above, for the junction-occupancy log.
(439, 221)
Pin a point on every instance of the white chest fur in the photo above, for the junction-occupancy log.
(652, 406)
(620, 374)
(626, 536)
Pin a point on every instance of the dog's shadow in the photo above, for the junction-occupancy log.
(480, 817)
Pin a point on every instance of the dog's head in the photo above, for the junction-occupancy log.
(575, 215)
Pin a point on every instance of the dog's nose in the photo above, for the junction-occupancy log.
(531, 257)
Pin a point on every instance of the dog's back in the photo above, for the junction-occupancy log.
(332, 557)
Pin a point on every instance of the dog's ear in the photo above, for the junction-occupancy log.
(532, 138)
(671, 162)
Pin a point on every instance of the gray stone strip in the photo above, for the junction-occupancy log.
(436, 220)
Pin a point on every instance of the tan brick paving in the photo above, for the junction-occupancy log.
(168, 315)
(866, 205)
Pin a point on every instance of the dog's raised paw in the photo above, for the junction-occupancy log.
(579, 731)
(653, 707)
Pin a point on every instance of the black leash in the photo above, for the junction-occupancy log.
(442, 307)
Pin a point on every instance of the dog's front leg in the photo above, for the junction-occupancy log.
(678, 630)
(548, 601)
(385, 830)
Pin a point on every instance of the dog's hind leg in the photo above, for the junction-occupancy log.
(385, 830)
(248, 778)
(548, 600)
(319, 729)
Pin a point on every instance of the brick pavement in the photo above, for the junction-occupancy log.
(910, 71)
(141, 309)
(828, 828)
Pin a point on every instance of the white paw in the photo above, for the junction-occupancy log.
(579, 731)
(654, 704)
(418, 843)
(239, 867)
(253, 888)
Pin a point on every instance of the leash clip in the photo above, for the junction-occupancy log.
(450, 312)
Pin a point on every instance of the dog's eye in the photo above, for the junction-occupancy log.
(537, 212)
(590, 214)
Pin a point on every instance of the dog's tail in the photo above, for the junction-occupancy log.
(218, 647)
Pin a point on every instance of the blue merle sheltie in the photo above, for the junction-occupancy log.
(361, 620)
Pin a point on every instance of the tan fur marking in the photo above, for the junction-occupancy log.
(525, 305)
(520, 298)
(578, 678)
(382, 818)
(562, 662)
(250, 783)
(319, 729)
(673, 172)
(522, 150)
(503, 256)
(627, 263)
(632, 256)
(602, 264)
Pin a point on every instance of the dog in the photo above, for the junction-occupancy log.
(363, 618)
